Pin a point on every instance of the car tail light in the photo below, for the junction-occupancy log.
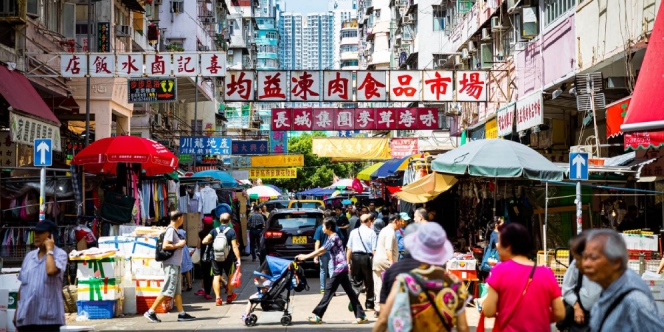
(273, 235)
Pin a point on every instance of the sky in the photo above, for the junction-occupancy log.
(306, 6)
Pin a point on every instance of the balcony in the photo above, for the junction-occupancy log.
(16, 11)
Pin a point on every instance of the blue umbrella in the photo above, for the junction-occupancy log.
(275, 188)
(226, 180)
(384, 171)
(346, 202)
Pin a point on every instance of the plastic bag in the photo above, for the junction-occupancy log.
(196, 256)
(236, 279)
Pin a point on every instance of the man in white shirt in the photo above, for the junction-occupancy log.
(359, 251)
(387, 253)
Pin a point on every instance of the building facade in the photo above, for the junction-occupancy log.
(291, 46)
(344, 11)
(318, 40)
(348, 49)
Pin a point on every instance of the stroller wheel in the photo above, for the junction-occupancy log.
(251, 320)
(286, 320)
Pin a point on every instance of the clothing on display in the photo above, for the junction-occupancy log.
(208, 201)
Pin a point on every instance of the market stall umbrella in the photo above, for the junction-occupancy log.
(262, 192)
(365, 174)
(497, 158)
(275, 188)
(426, 188)
(104, 155)
(387, 169)
(344, 184)
(225, 179)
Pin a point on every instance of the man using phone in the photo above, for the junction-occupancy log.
(40, 306)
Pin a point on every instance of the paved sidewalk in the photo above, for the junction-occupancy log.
(227, 317)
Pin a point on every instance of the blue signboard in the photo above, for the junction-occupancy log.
(251, 147)
(347, 133)
(578, 166)
(43, 152)
(205, 145)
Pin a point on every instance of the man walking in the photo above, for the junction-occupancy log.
(387, 253)
(172, 286)
(223, 257)
(40, 306)
(256, 223)
(342, 223)
(360, 250)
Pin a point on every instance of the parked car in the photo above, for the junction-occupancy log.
(290, 232)
(275, 204)
(306, 204)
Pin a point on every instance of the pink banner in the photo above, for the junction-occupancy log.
(403, 147)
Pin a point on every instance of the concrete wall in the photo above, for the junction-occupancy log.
(108, 96)
(206, 112)
(183, 25)
(426, 41)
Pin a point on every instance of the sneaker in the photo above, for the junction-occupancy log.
(322, 291)
(208, 297)
(200, 292)
(314, 320)
(244, 316)
(218, 302)
(152, 317)
(231, 298)
(360, 320)
(185, 317)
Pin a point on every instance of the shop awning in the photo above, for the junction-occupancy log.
(615, 116)
(385, 170)
(426, 188)
(22, 96)
(365, 174)
(646, 110)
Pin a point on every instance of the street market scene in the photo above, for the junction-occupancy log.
(372, 165)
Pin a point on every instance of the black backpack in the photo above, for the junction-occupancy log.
(298, 274)
(161, 254)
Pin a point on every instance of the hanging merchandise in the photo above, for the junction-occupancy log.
(209, 200)
(117, 208)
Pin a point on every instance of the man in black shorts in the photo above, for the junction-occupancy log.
(218, 268)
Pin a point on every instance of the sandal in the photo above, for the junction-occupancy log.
(314, 320)
(360, 320)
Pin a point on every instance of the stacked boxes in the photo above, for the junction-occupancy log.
(99, 283)
(9, 286)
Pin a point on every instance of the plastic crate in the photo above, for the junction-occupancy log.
(559, 273)
(634, 254)
(651, 265)
(563, 258)
(144, 303)
(96, 309)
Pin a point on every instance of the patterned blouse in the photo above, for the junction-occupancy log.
(447, 291)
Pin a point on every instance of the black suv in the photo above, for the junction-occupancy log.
(290, 232)
(275, 204)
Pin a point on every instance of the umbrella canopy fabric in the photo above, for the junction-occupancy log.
(384, 170)
(103, 156)
(365, 174)
(226, 180)
(497, 158)
(275, 188)
(342, 184)
(262, 192)
(426, 188)
(402, 164)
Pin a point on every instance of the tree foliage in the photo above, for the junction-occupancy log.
(317, 172)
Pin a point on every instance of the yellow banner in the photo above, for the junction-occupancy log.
(278, 160)
(272, 173)
(491, 129)
(352, 148)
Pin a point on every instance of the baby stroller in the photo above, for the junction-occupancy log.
(285, 276)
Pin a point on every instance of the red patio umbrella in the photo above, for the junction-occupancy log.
(103, 156)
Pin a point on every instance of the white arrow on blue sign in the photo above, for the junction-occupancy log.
(43, 152)
(578, 166)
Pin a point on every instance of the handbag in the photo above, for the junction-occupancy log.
(117, 208)
(70, 294)
(400, 318)
(496, 328)
(489, 252)
(236, 279)
(432, 301)
(568, 321)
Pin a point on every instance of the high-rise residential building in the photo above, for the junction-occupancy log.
(319, 41)
(291, 44)
(344, 11)
(375, 21)
(347, 49)
(267, 39)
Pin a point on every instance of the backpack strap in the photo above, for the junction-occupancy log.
(577, 288)
(614, 304)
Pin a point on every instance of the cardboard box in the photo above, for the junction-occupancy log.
(108, 267)
(130, 246)
(10, 320)
(146, 267)
(149, 286)
(94, 289)
(10, 281)
(4, 320)
(4, 300)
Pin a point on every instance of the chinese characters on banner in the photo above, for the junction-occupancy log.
(352, 148)
(278, 142)
(272, 85)
(239, 86)
(505, 119)
(7, 150)
(338, 85)
(152, 90)
(210, 64)
(25, 130)
(240, 161)
(438, 86)
(406, 86)
(272, 173)
(305, 85)
(205, 145)
(344, 119)
(471, 85)
(103, 37)
(371, 86)
(287, 160)
(403, 147)
(529, 111)
(491, 129)
(250, 147)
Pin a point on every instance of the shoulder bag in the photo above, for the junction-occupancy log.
(569, 309)
(448, 325)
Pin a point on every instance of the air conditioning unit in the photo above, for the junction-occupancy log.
(209, 20)
(496, 25)
(616, 82)
(175, 125)
(122, 31)
(464, 54)
(582, 148)
(471, 47)
(441, 63)
(529, 23)
(157, 120)
(486, 34)
(457, 60)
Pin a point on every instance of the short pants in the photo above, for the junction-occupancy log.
(173, 284)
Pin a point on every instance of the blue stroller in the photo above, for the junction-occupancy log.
(286, 276)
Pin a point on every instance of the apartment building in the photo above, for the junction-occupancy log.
(375, 28)
(291, 45)
(318, 40)
(344, 11)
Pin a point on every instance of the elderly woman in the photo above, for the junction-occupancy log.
(522, 296)
(436, 298)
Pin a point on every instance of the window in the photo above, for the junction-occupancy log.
(197, 127)
(438, 18)
(290, 221)
(271, 35)
(177, 7)
(486, 55)
(554, 9)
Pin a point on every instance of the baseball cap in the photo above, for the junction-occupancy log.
(46, 226)
(404, 216)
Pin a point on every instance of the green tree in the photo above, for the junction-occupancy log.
(317, 172)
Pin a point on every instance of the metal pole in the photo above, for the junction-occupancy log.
(579, 208)
(42, 194)
(546, 219)
(195, 116)
(87, 78)
(592, 105)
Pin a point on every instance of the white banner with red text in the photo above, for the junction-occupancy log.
(529, 111)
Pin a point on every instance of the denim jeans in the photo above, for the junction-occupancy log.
(325, 269)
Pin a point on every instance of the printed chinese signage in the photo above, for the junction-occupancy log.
(239, 86)
(25, 130)
(240, 161)
(7, 150)
(372, 86)
(352, 148)
(338, 85)
(348, 119)
(491, 129)
(305, 85)
(205, 145)
(272, 173)
(250, 147)
(471, 85)
(190, 64)
(185, 158)
(152, 90)
(529, 111)
(403, 147)
(103, 37)
(279, 161)
(505, 119)
(278, 142)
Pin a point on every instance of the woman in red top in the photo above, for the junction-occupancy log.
(540, 305)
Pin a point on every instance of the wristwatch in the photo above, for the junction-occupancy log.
(50, 252)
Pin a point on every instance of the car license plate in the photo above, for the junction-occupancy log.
(299, 240)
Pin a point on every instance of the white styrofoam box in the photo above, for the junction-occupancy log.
(4, 320)
(94, 289)
(657, 288)
(130, 246)
(4, 300)
(109, 267)
(10, 320)
(641, 242)
(10, 281)
(466, 264)
(146, 267)
(149, 286)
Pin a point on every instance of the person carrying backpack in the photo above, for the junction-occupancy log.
(222, 239)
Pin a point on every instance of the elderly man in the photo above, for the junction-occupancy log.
(421, 215)
(404, 265)
(626, 303)
(359, 253)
